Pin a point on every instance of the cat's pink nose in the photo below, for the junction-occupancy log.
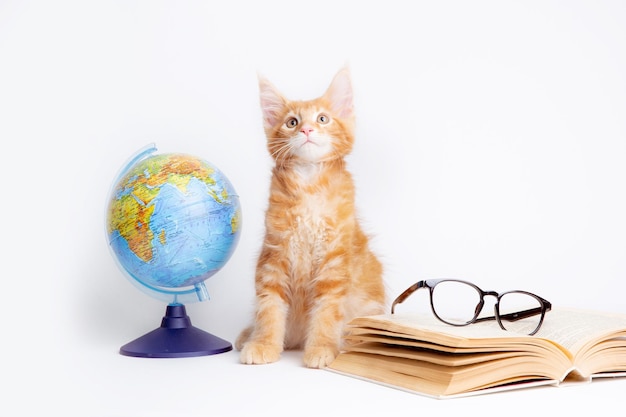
(306, 130)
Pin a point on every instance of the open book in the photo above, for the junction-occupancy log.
(420, 354)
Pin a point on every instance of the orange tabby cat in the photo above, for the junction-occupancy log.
(315, 270)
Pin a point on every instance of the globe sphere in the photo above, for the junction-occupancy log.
(173, 220)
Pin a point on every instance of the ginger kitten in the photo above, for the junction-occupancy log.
(315, 271)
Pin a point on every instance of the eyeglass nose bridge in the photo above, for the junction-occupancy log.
(479, 307)
(496, 306)
(492, 293)
(481, 303)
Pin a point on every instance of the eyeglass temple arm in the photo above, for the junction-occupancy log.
(519, 315)
(406, 293)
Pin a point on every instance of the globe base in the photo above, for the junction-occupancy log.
(176, 338)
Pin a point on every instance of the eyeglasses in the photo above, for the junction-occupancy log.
(459, 303)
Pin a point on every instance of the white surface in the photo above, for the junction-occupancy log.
(114, 385)
(490, 146)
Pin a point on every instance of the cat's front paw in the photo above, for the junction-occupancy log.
(319, 356)
(253, 353)
(243, 338)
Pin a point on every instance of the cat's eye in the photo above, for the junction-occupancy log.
(291, 123)
(323, 119)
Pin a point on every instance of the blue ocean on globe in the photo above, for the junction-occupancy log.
(173, 221)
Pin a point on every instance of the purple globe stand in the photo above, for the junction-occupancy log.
(176, 338)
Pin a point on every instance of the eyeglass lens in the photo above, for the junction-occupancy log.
(455, 302)
(514, 302)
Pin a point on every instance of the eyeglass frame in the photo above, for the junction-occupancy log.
(432, 283)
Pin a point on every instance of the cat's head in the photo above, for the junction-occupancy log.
(309, 131)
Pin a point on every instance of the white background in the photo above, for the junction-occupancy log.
(490, 146)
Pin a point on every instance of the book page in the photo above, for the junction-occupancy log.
(425, 327)
(420, 325)
(438, 380)
(432, 356)
(577, 330)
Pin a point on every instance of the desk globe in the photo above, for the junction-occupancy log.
(173, 221)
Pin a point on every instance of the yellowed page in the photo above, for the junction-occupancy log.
(578, 330)
(427, 327)
(552, 367)
(436, 380)
(362, 366)
(439, 358)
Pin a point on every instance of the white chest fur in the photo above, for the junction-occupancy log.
(311, 230)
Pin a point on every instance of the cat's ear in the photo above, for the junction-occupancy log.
(340, 94)
(272, 102)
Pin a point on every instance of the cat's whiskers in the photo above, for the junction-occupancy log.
(284, 149)
(281, 153)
